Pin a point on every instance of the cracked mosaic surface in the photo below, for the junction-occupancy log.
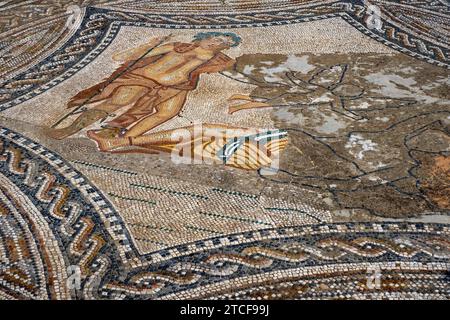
(325, 146)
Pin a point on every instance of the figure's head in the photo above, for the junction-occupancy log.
(217, 41)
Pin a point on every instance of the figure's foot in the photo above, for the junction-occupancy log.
(107, 144)
(248, 105)
(84, 120)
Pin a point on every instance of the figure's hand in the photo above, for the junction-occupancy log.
(248, 105)
(234, 106)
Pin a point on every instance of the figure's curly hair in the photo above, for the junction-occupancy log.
(206, 35)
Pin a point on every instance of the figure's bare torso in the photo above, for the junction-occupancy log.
(174, 67)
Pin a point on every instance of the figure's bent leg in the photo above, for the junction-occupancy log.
(166, 137)
(209, 142)
(164, 112)
(143, 107)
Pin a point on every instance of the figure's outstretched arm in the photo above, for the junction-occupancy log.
(136, 53)
(248, 105)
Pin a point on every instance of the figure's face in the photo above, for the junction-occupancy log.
(216, 43)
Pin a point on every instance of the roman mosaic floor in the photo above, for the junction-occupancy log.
(224, 149)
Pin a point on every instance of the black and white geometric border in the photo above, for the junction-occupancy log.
(91, 194)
